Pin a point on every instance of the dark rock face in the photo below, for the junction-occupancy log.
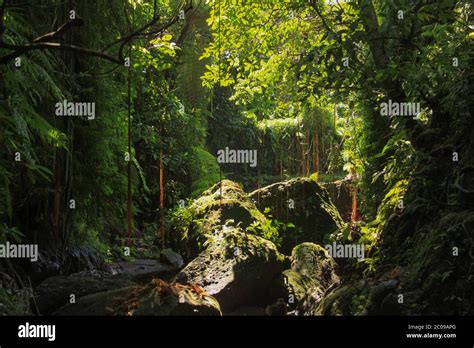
(433, 253)
(341, 196)
(304, 203)
(55, 292)
(236, 269)
(48, 265)
(172, 258)
(154, 298)
(82, 259)
(143, 270)
(74, 260)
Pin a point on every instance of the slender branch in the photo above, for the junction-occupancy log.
(140, 31)
(38, 43)
(20, 50)
(318, 11)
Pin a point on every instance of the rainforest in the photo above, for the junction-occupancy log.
(236, 158)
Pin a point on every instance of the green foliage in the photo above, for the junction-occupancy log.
(268, 229)
(10, 233)
(14, 302)
(204, 171)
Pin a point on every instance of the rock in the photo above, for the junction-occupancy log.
(94, 304)
(312, 272)
(341, 195)
(304, 203)
(208, 216)
(52, 263)
(172, 258)
(279, 308)
(338, 302)
(235, 206)
(155, 298)
(378, 294)
(143, 270)
(48, 265)
(294, 288)
(422, 240)
(236, 269)
(82, 258)
(313, 260)
(55, 292)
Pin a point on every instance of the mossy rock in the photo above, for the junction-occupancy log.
(313, 261)
(312, 272)
(310, 210)
(293, 288)
(236, 268)
(338, 302)
(210, 214)
(235, 205)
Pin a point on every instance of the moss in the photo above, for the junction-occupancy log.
(208, 216)
(249, 244)
(313, 260)
(310, 210)
(235, 205)
(236, 268)
(339, 302)
(205, 171)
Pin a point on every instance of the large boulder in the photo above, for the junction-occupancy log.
(55, 292)
(312, 273)
(223, 205)
(305, 204)
(74, 260)
(143, 270)
(236, 268)
(235, 207)
(154, 298)
(314, 261)
(82, 258)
